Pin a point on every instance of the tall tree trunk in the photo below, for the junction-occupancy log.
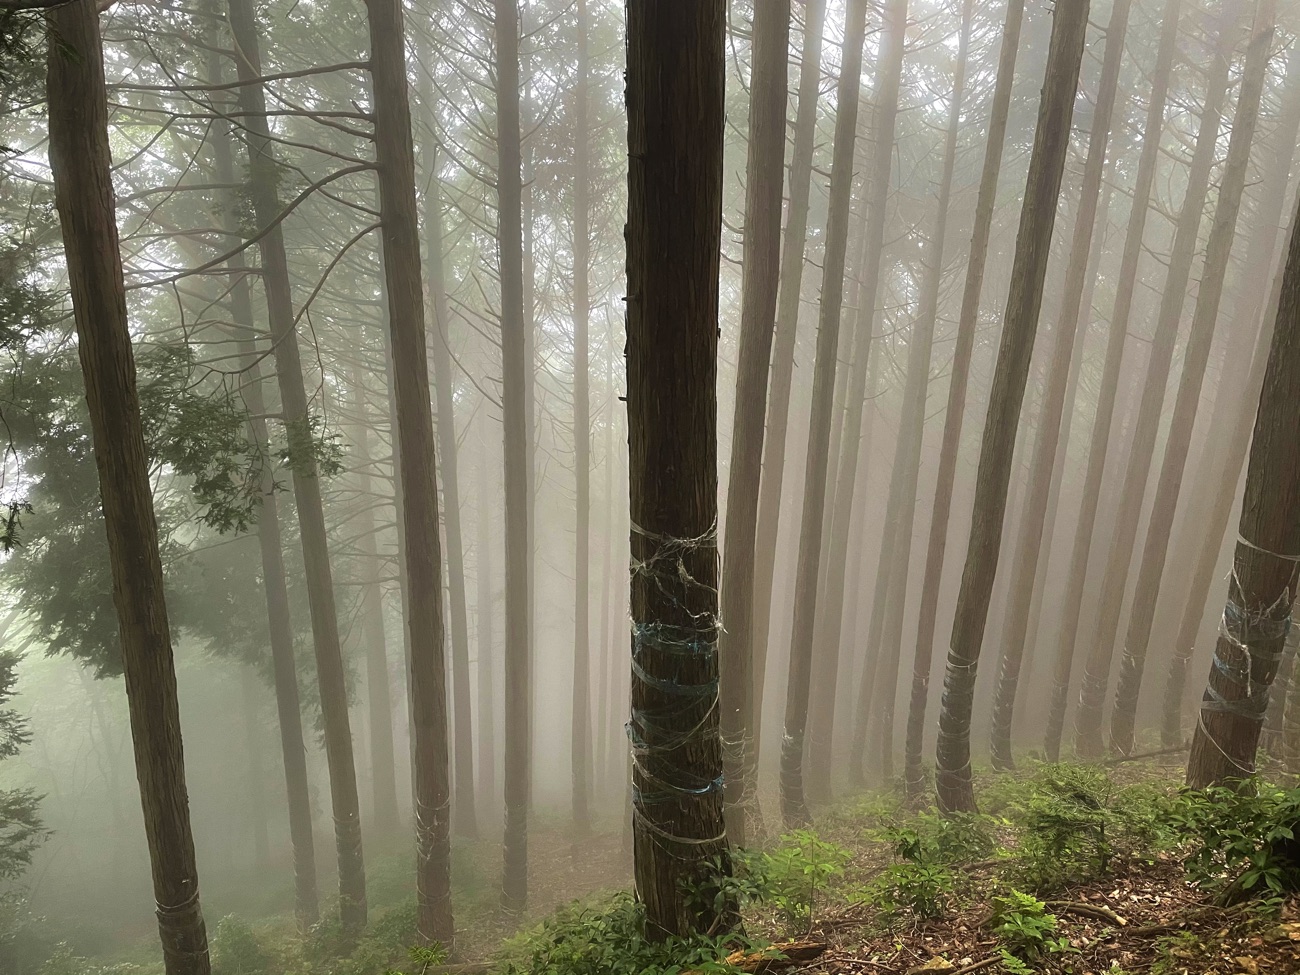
(256, 804)
(1071, 323)
(893, 43)
(610, 638)
(1096, 678)
(81, 162)
(1239, 385)
(955, 410)
(580, 734)
(793, 804)
(907, 453)
(486, 611)
(790, 292)
(395, 161)
(1266, 565)
(331, 679)
(1108, 387)
(517, 377)
(1196, 357)
(675, 105)
(1029, 270)
(762, 255)
(383, 761)
(1291, 708)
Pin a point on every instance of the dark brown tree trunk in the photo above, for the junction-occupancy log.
(1108, 387)
(762, 256)
(955, 411)
(1096, 678)
(1196, 357)
(264, 178)
(794, 246)
(580, 735)
(414, 443)
(1029, 270)
(1266, 565)
(1071, 323)
(675, 105)
(81, 162)
(517, 378)
(793, 804)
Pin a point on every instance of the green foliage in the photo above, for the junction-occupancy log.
(308, 449)
(923, 889)
(952, 839)
(236, 950)
(1242, 833)
(1174, 951)
(1025, 928)
(789, 877)
(21, 829)
(64, 961)
(423, 957)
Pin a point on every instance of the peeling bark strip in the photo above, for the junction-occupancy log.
(675, 104)
(1037, 218)
(81, 162)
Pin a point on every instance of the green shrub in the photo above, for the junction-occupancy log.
(236, 950)
(952, 839)
(790, 877)
(1025, 928)
(923, 889)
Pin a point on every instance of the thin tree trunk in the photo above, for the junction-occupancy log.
(793, 804)
(81, 162)
(675, 104)
(790, 291)
(1096, 678)
(610, 640)
(486, 609)
(257, 813)
(1108, 387)
(1266, 565)
(1196, 357)
(936, 545)
(517, 376)
(1291, 711)
(1029, 270)
(762, 255)
(1071, 324)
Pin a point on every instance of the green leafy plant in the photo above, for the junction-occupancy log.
(923, 889)
(1024, 926)
(790, 877)
(423, 957)
(236, 949)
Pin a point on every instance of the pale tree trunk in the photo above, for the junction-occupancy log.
(675, 110)
(610, 639)
(954, 414)
(486, 609)
(257, 813)
(1239, 386)
(517, 379)
(1071, 324)
(1108, 387)
(1196, 357)
(1096, 678)
(762, 255)
(414, 443)
(790, 291)
(893, 43)
(331, 678)
(81, 162)
(1029, 270)
(793, 804)
(1266, 565)
(907, 454)
(580, 733)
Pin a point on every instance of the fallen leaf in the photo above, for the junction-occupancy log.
(933, 965)
(1248, 964)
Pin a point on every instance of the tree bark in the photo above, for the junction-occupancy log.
(1096, 678)
(762, 255)
(793, 804)
(81, 162)
(1071, 323)
(395, 161)
(675, 104)
(1266, 565)
(1196, 357)
(331, 679)
(486, 610)
(1029, 270)
(954, 414)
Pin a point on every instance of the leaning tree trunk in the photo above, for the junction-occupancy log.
(516, 380)
(1108, 387)
(1266, 565)
(1234, 413)
(675, 105)
(955, 411)
(264, 174)
(81, 162)
(1028, 272)
(1196, 357)
(1096, 678)
(793, 251)
(395, 161)
(1070, 324)
(762, 255)
(793, 805)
